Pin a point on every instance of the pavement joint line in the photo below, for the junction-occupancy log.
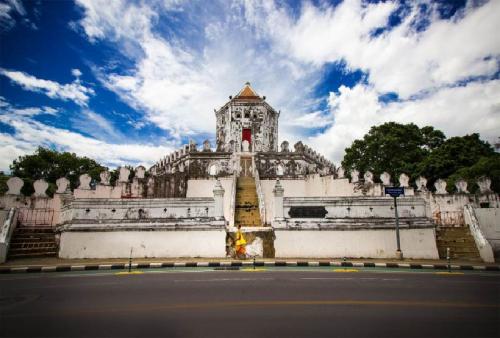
(237, 263)
(20, 269)
(48, 268)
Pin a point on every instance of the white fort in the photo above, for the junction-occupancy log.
(290, 202)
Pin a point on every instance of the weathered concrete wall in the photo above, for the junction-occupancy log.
(415, 243)
(489, 222)
(318, 186)
(8, 222)
(102, 211)
(204, 188)
(117, 244)
(359, 207)
(101, 191)
(312, 186)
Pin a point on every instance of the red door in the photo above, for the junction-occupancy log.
(247, 135)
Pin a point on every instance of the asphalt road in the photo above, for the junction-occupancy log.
(283, 303)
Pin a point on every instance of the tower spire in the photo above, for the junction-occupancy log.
(247, 92)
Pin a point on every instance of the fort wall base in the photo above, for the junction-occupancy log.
(415, 243)
(145, 244)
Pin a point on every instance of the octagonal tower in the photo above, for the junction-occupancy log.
(247, 124)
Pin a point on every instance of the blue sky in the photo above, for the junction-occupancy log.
(126, 82)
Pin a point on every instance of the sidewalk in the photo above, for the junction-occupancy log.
(52, 264)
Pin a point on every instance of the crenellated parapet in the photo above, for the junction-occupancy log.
(292, 164)
(193, 162)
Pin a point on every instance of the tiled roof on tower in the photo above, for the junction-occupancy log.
(247, 93)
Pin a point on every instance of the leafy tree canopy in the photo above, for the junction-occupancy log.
(3, 183)
(50, 165)
(392, 147)
(486, 166)
(454, 154)
(405, 148)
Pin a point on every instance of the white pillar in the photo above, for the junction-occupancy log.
(218, 201)
(278, 200)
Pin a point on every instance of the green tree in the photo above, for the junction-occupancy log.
(453, 155)
(486, 166)
(50, 165)
(3, 183)
(392, 147)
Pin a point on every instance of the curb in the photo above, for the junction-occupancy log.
(190, 264)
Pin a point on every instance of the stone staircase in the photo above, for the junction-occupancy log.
(33, 241)
(247, 203)
(459, 240)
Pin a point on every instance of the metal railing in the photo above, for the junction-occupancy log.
(449, 218)
(35, 217)
(260, 194)
(232, 206)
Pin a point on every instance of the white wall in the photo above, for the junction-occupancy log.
(415, 243)
(360, 207)
(312, 186)
(117, 244)
(101, 191)
(204, 188)
(489, 222)
(102, 210)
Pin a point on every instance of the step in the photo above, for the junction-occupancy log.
(469, 249)
(49, 251)
(35, 228)
(34, 254)
(32, 244)
(456, 242)
(32, 240)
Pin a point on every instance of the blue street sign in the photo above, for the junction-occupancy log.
(395, 191)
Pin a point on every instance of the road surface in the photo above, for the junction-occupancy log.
(263, 303)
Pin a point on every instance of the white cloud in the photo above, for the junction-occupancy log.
(76, 72)
(7, 10)
(473, 108)
(402, 59)
(177, 81)
(7, 108)
(30, 134)
(177, 85)
(34, 111)
(96, 125)
(74, 91)
(311, 120)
